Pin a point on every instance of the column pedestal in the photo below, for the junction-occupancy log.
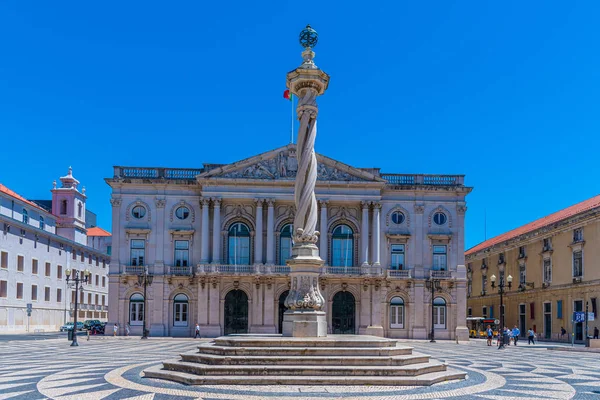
(304, 317)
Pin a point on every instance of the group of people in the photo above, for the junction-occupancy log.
(508, 336)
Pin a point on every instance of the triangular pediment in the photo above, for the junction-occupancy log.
(282, 164)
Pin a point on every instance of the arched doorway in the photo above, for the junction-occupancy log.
(343, 312)
(236, 312)
(282, 309)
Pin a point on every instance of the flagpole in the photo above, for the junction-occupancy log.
(292, 125)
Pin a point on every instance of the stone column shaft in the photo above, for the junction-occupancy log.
(270, 232)
(364, 234)
(205, 232)
(258, 244)
(216, 257)
(376, 234)
(323, 231)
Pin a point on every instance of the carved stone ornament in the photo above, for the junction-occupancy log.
(202, 282)
(344, 286)
(160, 203)
(115, 202)
(180, 286)
(236, 284)
(419, 208)
(304, 294)
(214, 281)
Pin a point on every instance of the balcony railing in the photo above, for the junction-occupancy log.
(180, 271)
(399, 273)
(274, 269)
(156, 173)
(134, 269)
(421, 179)
(373, 271)
(232, 269)
(440, 274)
(98, 307)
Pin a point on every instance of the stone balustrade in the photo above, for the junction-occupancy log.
(156, 173)
(133, 269)
(424, 179)
(440, 274)
(401, 274)
(180, 270)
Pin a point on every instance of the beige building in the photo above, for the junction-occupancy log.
(555, 265)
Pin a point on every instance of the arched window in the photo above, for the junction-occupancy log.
(180, 310)
(397, 313)
(136, 309)
(239, 244)
(25, 216)
(41, 222)
(63, 207)
(285, 244)
(182, 212)
(79, 208)
(439, 313)
(138, 212)
(342, 245)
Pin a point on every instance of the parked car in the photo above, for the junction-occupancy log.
(69, 326)
(96, 329)
(89, 322)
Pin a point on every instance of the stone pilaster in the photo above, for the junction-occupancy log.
(376, 234)
(205, 259)
(258, 239)
(323, 230)
(270, 232)
(364, 234)
(462, 332)
(216, 256)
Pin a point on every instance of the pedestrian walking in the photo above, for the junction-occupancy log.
(115, 329)
(490, 335)
(127, 329)
(531, 336)
(563, 332)
(596, 333)
(516, 332)
(197, 334)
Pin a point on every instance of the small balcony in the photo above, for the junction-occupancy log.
(399, 273)
(440, 274)
(227, 269)
(133, 269)
(176, 270)
(360, 271)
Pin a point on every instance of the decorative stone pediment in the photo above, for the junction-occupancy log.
(282, 164)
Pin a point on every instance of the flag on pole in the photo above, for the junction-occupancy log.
(287, 95)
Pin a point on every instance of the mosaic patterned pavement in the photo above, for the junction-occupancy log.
(109, 368)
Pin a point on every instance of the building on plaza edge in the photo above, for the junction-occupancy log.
(216, 240)
(555, 265)
(39, 241)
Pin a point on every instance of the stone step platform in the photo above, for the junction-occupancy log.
(212, 348)
(331, 360)
(211, 359)
(429, 379)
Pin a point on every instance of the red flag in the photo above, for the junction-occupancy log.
(287, 95)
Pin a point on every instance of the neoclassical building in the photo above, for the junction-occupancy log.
(216, 241)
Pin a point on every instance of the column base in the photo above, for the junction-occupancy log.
(462, 334)
(374, 330)
(419, 333)
(304, 324)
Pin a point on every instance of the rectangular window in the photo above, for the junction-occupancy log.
(81, 297)
(136, 313)
(103, 264)
(90, 259)
(547, 244)
(82, 257)
(48, 269)
(46, 293)
(501, 258)
(97, 262)
(103, 281)
(483, 283)
(182, 253)
(577, 264)
(397, 258)
(181, 314)
(470, 312)
(103, 300)
(138, 251)
(522, 274)
(491, 311)
(439, 258)
(522, 252)
(73, 297)
(34, 292)
(108, 250)
(59, 295)
(59, 271)
(547, 270)
(96, 298)
(578, 235)
(484, 311)
(3, 289)
(19, 290)
(89, 298)
(97, 280)
(531, 310)
(439, 317)
(559, 310)
(3, 259)
(74, 255)
(34, 266)
(397, 316)
(20, 263)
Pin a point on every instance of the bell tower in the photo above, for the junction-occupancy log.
(68, 205)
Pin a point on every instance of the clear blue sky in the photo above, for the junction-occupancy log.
(504, 92)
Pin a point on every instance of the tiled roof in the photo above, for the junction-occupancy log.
(7, 191)
(96, 231)
(539, 223)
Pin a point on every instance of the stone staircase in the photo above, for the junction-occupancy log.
(277, 360)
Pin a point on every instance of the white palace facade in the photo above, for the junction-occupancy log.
(216, 240)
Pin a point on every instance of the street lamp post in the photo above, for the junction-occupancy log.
(80, 277)
(433, 285)
(145, 279)
(501, 286)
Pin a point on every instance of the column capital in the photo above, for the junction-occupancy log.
(376, 205)
(259, 202)
(270, 202)
(323, 203)
(115, 202)
(216, 201)
(365, 204)
(160, 203)
(204, 201)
